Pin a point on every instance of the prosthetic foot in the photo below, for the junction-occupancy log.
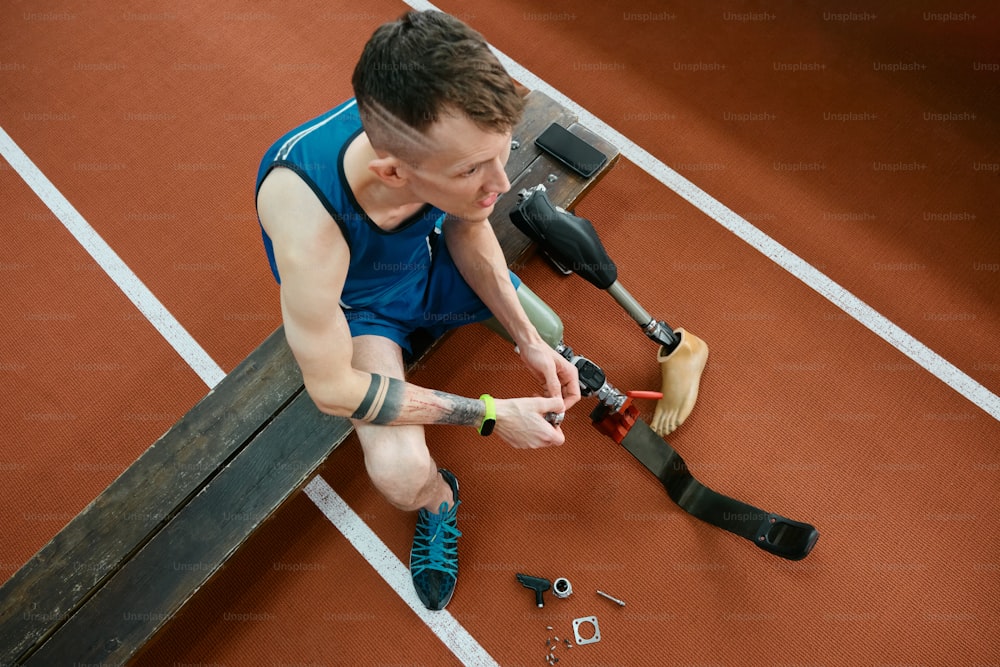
(681, 373)
(573, 244)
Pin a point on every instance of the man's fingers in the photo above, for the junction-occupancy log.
(570, 378)
(556, 437)
(554, 404)
(571, 392)
(552, 386)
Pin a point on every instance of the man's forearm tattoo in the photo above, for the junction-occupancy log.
(382, 403)
(463, 412)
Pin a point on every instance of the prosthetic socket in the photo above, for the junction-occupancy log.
(573, 244)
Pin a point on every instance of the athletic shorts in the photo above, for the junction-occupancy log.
(448, 303)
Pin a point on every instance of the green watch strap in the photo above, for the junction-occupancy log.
(490, 418)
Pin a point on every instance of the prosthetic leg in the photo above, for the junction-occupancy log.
(573, 245)
(618, 418)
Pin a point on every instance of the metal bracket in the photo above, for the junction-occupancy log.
(580, 640)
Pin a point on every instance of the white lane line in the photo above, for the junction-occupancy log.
(395, 573)
(795, 265)
(443, 624)
(108, 259)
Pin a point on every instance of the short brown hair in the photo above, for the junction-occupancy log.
(421, 65)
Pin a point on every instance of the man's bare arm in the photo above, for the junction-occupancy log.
(386, 397)
(480, 260)
(312, 258)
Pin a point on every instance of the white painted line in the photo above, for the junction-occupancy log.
(395, 573)
(937, 365)
(108, 259)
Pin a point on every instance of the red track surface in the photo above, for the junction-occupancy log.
(865, 141)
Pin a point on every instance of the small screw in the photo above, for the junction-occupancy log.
(514, 145)
(552, 178)
(613, 599)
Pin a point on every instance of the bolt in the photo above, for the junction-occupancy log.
(613, 599)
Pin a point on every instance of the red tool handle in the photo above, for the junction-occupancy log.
(644, 394)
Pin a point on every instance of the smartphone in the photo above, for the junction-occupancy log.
(571, 150)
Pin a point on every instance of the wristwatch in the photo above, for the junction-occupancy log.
(490, 418)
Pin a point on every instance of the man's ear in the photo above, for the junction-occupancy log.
(387, 169)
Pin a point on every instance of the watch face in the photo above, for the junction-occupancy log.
(487, 426)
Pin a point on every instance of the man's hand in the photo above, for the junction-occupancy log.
(521, 422)
(557, 376)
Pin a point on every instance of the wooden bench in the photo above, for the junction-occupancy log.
(119, 571)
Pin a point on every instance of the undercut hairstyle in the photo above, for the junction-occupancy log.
(421, 66)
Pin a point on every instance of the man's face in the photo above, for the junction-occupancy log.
(463, 172)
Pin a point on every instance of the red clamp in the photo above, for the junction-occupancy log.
(616, 425)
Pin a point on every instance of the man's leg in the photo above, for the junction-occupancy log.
(396, 457)
(401, 468)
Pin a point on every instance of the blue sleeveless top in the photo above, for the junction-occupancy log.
(387, 268)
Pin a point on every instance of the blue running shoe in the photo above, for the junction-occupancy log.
(434, 556)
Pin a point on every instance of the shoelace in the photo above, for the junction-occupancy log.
(439, 546)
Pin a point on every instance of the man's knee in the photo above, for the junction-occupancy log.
(402, 472)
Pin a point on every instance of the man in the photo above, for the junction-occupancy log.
(353, 223)
(352, 208)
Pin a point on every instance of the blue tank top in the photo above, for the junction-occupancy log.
(387, 268)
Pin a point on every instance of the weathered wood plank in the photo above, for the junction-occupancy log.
(115, 623)
(144, 498)
(539, 112)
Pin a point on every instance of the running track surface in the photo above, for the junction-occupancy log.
(862, 140)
